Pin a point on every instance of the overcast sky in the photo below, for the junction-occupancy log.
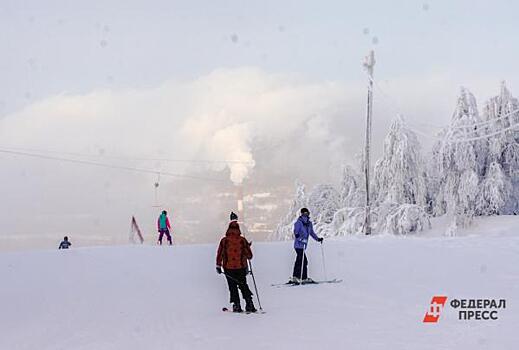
(220, 80)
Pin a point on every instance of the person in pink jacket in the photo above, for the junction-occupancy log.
(163, 227)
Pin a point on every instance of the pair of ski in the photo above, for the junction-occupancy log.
(225, 309)
(293, 284)
(287, 284)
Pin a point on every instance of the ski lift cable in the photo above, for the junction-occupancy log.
(122, 157)
(121, 167)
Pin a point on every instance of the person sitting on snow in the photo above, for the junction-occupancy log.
(233, 253)
(163, 227)
(65, 244)
(303, 228)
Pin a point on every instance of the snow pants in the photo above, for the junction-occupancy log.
(162, 232)
(237, 278)
(301, 262)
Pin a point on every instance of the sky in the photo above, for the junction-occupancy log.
(277, 85)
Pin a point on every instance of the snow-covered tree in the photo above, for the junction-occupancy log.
(346, 221)
(459, 158)
(323, 203)
(405, 219)
(349, 218)
(399, 175)
(494, 191)
(501, 116)
(399, 183)
(352, 192)
(285, 228)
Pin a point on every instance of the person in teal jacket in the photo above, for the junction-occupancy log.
(163, 227)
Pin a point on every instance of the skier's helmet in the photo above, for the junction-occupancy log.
(164, 212)
(305, 211)
(233, 216)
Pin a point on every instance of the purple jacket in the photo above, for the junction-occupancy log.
(302, 229)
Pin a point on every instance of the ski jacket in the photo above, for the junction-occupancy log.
(64, 245)
(302, 229)
(163, 222)
(234, 250)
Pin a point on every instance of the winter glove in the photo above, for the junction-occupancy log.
(297, 235)
(219, 269)
(320, 239)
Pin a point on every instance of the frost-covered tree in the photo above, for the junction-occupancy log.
(400, 184)
(399, 175)
(352, 190)
(500, 114)
(501, 117)
(350, 217)
(405, 219)
(459, 158)
(323, 202)
(493, 191)
(285, 228)
(349, 220)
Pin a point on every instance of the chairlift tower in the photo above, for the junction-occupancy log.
(369, 64)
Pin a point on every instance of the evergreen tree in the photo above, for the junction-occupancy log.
(351, 188)
(399, 174)
(323, 202)
(501, 114)
(399, 183)
(285, 229)
(460, 162)
(494, 191)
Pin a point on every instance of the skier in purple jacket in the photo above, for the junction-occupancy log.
(303, 228)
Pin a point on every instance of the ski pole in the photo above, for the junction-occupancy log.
(253, 278)
(241, 283)
(255, 287)
(324, 262)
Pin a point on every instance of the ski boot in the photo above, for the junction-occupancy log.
(249, 306)
(236, 307)
(308, 281)
(294, 280)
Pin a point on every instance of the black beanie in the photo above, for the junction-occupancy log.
(304, 210)
(233, 216)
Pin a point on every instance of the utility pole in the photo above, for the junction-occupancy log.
(369, 64)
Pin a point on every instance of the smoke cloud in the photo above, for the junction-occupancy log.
(223, 123)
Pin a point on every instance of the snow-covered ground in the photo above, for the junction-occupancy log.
(147, 297)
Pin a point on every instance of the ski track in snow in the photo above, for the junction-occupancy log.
(147, 297)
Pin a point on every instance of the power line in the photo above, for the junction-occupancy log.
(489, 121)
(92, 163)
(127, 158)
(448, 137)
(454, 140)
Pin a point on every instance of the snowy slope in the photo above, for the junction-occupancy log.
(150, 297)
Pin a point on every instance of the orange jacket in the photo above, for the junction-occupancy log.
(234, 250)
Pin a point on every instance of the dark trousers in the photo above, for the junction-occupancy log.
(237, 278)
(162, 232)
(301, 261)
